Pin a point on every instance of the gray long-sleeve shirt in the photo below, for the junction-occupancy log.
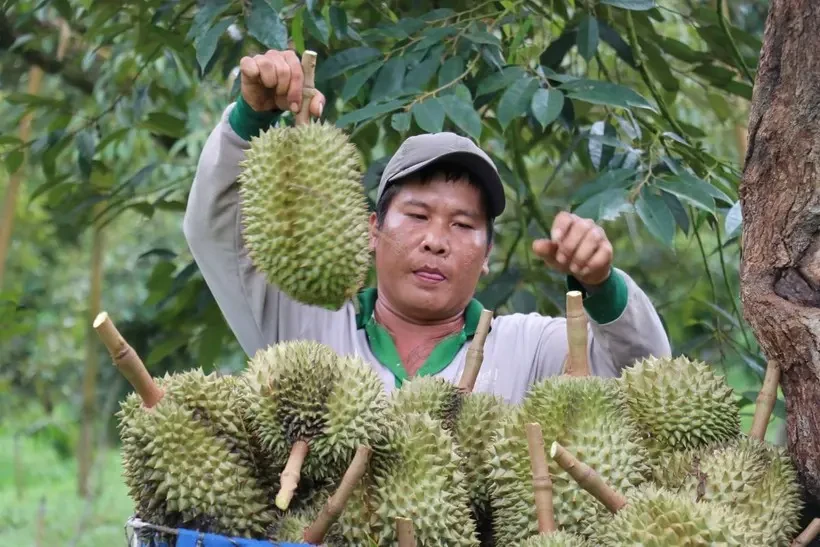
(519, 350)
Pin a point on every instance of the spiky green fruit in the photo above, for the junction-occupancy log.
(554, 539)
(304, 212)
(585, 415)
(415, 475)
(306, 391)
(197, 476)
(679, 403)
(661, 518)
(757, 478)
(470, 417)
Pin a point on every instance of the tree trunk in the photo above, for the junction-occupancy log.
(780, 201)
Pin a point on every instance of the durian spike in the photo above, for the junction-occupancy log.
(336, 503)
(576, 364)
(541, 482)
(475, 353)
(807, 535)
(765, 401)
(289, 478)
(588, 478)
(405, 532)
(308, 87)
(127, 360)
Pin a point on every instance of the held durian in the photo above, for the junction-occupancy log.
(312, 408)
(679, 403)
(757, 478)
(587, 416)
(304, 211)
(554, 539)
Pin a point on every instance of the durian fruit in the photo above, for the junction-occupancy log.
(312, 408)
(678, 404)
(659, 517)
(198, 475)
(304, 211)
(470, 417)
(415, 475)
(756, 477)
(554, 539)
(587, 416)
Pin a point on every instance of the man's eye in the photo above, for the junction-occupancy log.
(415, 215)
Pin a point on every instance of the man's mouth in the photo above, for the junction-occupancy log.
(430, 274)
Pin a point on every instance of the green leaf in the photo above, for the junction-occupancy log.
(681, 218)
(400, 121)
(694, 194)
(691, 180)
(462, 113)
(636, 5)
(297, 30)
(14, 160)
(500, 80)
(317, 27)
(606, 93)
(606, 205)
(204, 18)
(419, 75)
(8, 139)
(165, 124)
(612, 178)
(210, 342)
(516, 100)
(734, 220)
(205, 44)
(656, 216)
(85, 152)
(450, 70)
(371, 111)
(390, 79)
(587, 38)
(357, 80)
(546, 105)
(264, 24)
(600, 145)
(429, 115)
(345, 60)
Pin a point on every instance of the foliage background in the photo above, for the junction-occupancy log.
(626, 111)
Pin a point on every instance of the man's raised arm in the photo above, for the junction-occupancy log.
(271, 84)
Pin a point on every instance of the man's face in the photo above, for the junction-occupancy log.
(431, 248)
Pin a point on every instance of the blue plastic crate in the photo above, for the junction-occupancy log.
(144, 534)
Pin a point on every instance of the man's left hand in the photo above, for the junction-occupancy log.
(578, 247)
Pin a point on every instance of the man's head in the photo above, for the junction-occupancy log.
(432, 229)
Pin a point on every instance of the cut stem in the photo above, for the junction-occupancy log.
(541, 482)
(587, 478)
(127, 360)
(807, 535)
(475, 353)
(334, 506)
(405, 532)
(289, 479)
(765, 401)
(308, 87)
(577, 364)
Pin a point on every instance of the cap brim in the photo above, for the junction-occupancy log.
(482, 170)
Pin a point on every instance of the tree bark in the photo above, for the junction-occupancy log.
(780, 201)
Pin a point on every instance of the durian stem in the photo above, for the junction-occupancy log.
(765, 401)
(541, 482)
(587, 478)
(308, 87)
(577, 364)
(337, 502)
(807, 535)
(405, 532)
(289, 479)
(127, 360)
(475, 353)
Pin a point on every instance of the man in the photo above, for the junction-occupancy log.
(431, 237)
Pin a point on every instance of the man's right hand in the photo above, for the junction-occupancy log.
(273, 81)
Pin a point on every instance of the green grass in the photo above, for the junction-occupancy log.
(49, 481)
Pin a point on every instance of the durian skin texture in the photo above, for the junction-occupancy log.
(554, 539)
(304, 212)
(586, 415)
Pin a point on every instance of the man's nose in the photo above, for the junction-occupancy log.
(435, 240)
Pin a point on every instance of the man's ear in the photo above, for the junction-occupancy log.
(374, 234)
(485, 268)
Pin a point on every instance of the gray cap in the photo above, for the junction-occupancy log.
(419, 151)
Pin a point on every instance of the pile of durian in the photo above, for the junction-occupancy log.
(305, 445)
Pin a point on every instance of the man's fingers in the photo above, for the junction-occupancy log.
(560, 225)
(282, 75)
(317, 103)
(586, 249)
(249, 70)
(267, 70)
(599, 260)
(297, 78)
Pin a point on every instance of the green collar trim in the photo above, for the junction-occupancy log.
(384, 347)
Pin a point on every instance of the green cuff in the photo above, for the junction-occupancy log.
(247, 122)
(608, 302)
